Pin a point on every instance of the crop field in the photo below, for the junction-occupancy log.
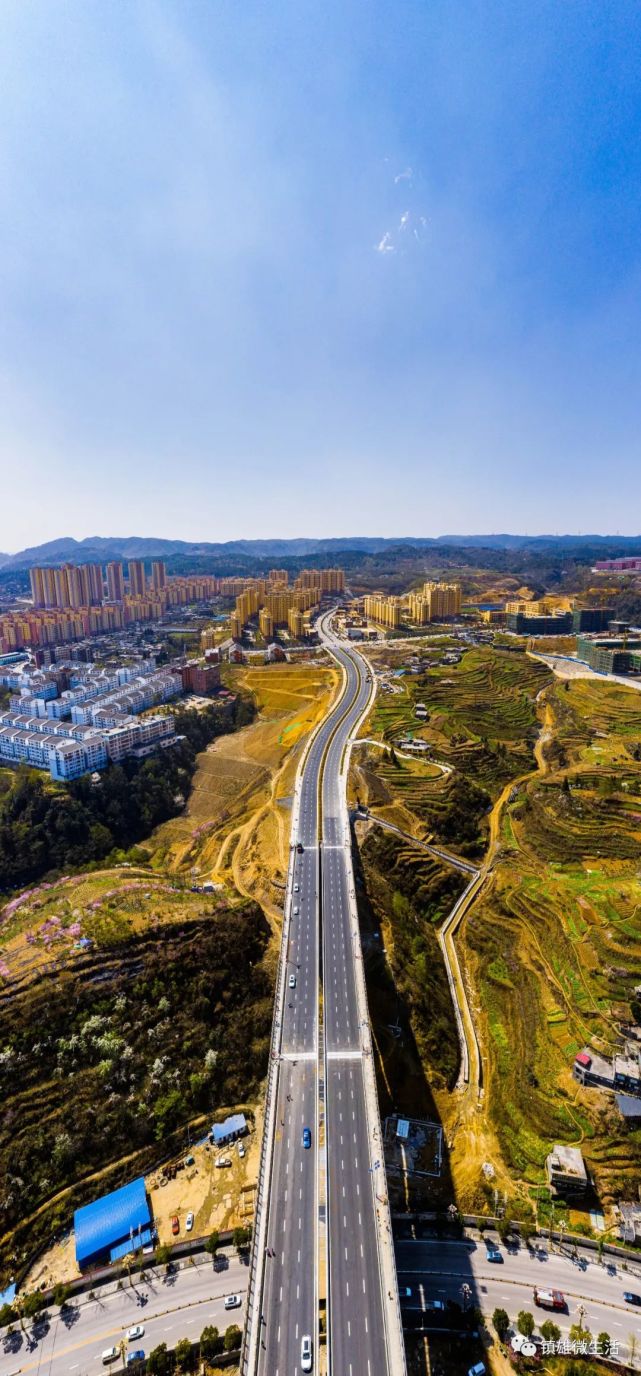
(553, 947)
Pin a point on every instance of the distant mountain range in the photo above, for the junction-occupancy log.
(99, 549)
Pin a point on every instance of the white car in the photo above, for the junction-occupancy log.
(189, 1222)
(137, 1331)
(306, 1353)
(292, 981)
(233, 1301)
(241, 1150)
(296, 912)
(111, 1354)
(223, 1161)
(296, 888)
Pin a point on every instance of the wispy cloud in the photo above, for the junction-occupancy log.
(385, 245)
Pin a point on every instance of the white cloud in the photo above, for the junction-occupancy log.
(386, 245)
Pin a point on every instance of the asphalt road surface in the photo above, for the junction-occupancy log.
(170, 1308)
(356, 1328)
(439, 1270)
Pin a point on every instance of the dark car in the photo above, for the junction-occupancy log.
(630, 1297)
(300, 848)
(307, 1138)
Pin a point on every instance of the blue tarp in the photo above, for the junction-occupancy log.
(234, 1126)
(101, 1226)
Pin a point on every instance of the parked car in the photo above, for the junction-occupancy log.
(136, 1332)
(296, 888)
(478, 1370)
(300, 848)
(110, 1354)
(222, 1161)
(296, 911)
(241, 1150)
(404, 1292)
(233, 1301)
(189, 1221)
(175, 1225)
(135, 1358)
(292, 981)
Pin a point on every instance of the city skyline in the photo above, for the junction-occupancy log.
(302, 271)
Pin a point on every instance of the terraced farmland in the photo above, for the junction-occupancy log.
(482, 725)
(554, 946)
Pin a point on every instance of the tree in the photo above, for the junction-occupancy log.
(232, 1338)
(7, 1315)
(604, 1344)
(501, 1321)
(159, 1361)
(550, 1331)
(183, 1352)
(210, 1342)
(163, 1254)
(240, 1238)
(32, 1305)
(525, 1323)
(579, 1334)
(61, 1294)
(213, 1243)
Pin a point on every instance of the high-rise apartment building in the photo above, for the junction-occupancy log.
(266, 624)
(418, 608)
(296, 623)
(444, 599)
(278, 576)
(43, 588)
(158, 575)
(137, 582)
(326, 580)
(95, 584)
(385, 610)
(115, 582)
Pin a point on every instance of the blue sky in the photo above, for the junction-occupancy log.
(348, 267)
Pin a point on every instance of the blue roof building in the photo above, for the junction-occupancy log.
(112, 1226)
(233, 1127)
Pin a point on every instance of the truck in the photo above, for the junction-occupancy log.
(550, 1299)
